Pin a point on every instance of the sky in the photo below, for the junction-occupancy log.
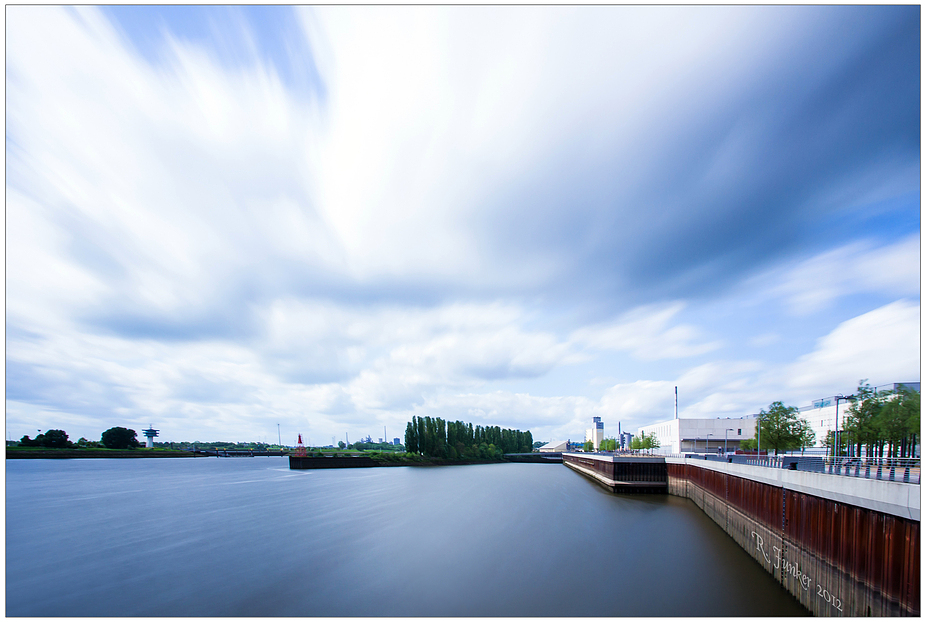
(246, 223)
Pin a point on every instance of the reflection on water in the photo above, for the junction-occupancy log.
(249, 537)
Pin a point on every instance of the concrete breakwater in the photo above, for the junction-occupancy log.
(842, 546)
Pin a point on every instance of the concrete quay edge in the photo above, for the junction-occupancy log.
(896, 498)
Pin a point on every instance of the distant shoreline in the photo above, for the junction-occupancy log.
(97, 453)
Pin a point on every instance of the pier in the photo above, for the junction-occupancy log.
(626, 474)
(331, 462)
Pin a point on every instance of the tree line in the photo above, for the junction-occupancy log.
(432, 436)
(885, 423)
(643, 441)
(113, 438)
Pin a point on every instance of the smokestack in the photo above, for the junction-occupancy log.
(676, 402)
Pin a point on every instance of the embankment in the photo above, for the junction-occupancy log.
(843, 546)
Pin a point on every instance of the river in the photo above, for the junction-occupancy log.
(249, 537)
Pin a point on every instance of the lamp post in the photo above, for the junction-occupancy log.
(726, 441)
(839, 398)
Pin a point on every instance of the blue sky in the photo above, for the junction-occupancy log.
(221, 219)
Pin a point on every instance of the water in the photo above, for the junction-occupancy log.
(249, 537)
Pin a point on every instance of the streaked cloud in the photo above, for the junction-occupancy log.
(333, 218)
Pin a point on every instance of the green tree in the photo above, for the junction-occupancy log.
(119, 438)
(829, 442)
(807, 436)
(588, 446)
(780, 427)
(411, 436)
(55, 438)
(898, 421)
(341, 444)
(860, 423)
(650, 442)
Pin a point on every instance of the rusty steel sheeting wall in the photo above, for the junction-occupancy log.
(626, 471)
(640, 471)
(878, 550)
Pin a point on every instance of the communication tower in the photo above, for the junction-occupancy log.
(150, 433)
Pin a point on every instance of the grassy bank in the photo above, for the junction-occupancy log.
(142, 452)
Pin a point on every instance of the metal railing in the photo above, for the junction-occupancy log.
(908, 470)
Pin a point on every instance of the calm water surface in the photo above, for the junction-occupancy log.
(249, 537)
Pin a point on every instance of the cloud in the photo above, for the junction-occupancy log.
(646, 334)
(857, 268)
(882, 345)
(332, 223)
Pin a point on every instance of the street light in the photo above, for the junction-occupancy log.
(839, 398)
(726, 442)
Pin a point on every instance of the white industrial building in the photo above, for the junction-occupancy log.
(820, 415)
(701, 435)
(710, 435)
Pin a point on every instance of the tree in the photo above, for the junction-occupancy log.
(898, 421)
(411, 436)
(780, 427)
(588, 446)
(860, 424)
(829, 442)
(341, 444)
(55, 438)
(119, 438)
(51, 438)
(650, 442)
(807, 436)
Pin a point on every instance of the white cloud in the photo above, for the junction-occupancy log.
(882, 345)
(208, 250)
(646, 333)
(815, 284)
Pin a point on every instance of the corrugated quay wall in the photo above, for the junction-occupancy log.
(837, 559)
